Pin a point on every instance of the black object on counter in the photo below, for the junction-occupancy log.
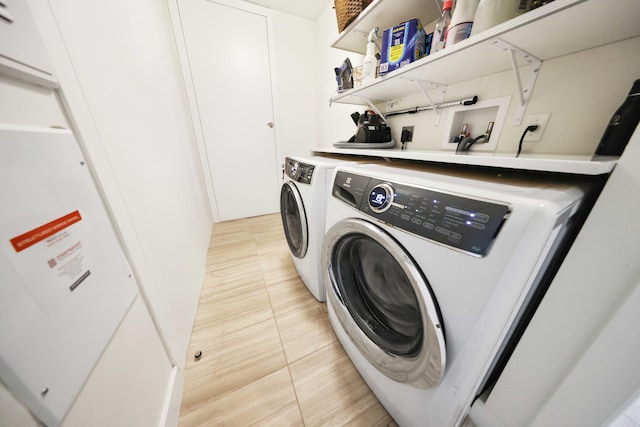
(371, 128)
(622, 124)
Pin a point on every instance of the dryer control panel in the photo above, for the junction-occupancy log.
(298, 171)
(464, 223)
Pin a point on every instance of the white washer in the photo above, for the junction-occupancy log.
(307, 182)
(429, 273)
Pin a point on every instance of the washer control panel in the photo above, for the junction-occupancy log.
(298, 171)
(461, 222)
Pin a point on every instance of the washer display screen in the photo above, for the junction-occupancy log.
(381, 197)
(378, 198)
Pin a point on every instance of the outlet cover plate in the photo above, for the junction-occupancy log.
(536, 119)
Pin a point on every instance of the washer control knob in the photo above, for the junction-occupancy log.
(293, 168)
(381, 197)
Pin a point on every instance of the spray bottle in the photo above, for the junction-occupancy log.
(370, 61)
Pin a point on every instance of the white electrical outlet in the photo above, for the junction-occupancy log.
(536, 119)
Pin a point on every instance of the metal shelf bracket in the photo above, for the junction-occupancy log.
(433, 85)
(373, 107)
(524, 90)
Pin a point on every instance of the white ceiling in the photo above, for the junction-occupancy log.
(307, 9)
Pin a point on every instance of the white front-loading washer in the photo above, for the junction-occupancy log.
(428, 272)
(307, 183)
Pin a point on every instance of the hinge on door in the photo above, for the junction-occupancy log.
(524, 90)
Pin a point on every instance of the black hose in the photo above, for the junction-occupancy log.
(466, 144)
(461, 147)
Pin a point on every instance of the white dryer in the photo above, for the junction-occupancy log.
(429, 272)
(307, 183)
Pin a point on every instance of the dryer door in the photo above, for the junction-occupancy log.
(294, 219)
(384, 303)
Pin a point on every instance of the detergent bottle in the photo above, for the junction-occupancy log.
(461, 21)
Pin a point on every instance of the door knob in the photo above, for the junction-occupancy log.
(270, 124)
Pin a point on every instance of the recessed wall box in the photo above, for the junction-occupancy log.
(477, 117)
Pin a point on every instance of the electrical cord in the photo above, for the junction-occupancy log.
(530, 128)
(404, 137)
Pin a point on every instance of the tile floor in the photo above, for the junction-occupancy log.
(269, 355)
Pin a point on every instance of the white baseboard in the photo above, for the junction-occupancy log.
(171, 408)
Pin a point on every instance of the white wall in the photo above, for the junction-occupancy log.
(123, 88)
(296, 63)
(577, 362)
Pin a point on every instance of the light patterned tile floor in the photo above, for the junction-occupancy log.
(269, 355)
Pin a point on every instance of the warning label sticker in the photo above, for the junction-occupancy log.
(52, 259)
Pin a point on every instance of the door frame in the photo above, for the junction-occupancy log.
(176, 22)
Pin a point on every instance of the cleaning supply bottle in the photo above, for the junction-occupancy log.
(370, 61)
(440, 33)
(461, 21)
(493, 12)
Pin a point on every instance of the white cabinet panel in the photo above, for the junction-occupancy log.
(22, 53)
(65, 282)
(131, 381)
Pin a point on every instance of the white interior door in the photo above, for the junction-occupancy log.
(228, 51)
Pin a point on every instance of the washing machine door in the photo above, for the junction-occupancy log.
(384, 303)
(294, 219)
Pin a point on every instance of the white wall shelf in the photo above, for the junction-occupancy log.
(571, 164)
(559, 28)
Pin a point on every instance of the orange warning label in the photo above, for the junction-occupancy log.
(36, 235)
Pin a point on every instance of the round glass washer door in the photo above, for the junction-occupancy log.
(294, 220)
(384, 303)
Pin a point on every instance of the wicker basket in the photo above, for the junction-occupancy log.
(348, 10)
